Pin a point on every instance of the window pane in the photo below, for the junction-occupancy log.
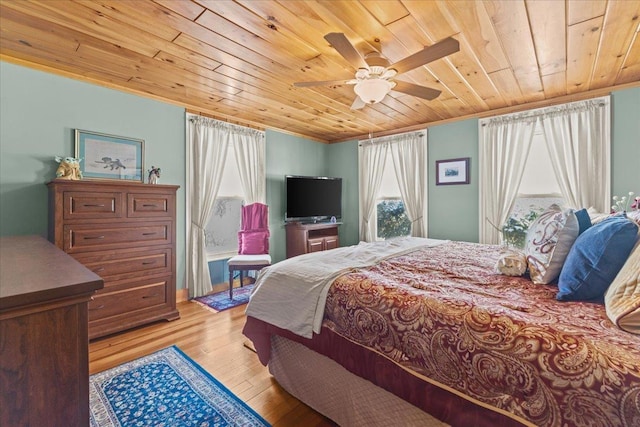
(389, 187)
(230, 185)
(525, 211)
(538, 176)
(221, 233)
(392, 219)
(538, 190)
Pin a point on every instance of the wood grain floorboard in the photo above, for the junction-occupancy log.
(215, 342)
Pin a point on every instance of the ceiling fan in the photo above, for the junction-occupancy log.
(374, 77)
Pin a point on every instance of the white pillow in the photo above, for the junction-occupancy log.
(549, 239)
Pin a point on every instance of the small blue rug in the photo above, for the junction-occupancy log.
(167, 389)
(220, 301)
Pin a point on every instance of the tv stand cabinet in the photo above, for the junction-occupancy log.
(305, 238)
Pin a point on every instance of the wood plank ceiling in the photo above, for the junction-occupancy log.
(237, 60)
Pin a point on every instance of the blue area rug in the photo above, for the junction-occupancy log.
(220, 301)
(168, 389)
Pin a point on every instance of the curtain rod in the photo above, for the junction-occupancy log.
(223, 120)
(387, 138)
(537, 112)
(233, 126)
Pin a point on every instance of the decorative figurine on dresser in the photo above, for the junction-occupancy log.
(154, 175)
(126, 233)
(69, 168)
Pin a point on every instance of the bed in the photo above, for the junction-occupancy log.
(425, 332)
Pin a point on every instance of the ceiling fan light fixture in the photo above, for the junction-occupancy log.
(373, 91)
(362, 73)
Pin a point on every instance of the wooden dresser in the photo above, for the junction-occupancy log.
(44, 353)
(126, 233)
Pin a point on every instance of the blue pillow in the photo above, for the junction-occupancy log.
(584, 221)
(595, 259)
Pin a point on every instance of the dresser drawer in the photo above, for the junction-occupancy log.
(116, 265)
(90, 237)
(128, 300)
(150, 205)
(87, 205)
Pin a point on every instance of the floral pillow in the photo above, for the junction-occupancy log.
(549, 239)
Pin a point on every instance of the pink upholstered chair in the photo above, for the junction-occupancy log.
(253, 243)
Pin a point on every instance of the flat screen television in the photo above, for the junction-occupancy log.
(313, 198)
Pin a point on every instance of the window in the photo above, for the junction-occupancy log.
(391, 219)
(221, 232)
(538, 190)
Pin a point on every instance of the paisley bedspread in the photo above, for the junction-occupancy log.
(503, 342)
(440, 329)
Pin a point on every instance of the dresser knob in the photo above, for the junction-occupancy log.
(93, 237)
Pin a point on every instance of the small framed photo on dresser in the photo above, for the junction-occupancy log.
(109, 156)
(453, 171)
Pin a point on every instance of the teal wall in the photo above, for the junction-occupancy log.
(453, 209)
(342, 161)
(38, 113)
(291, 155)
(287, 155)
(625, 137)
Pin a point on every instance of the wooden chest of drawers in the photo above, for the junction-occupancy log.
(125, 233)
(44, 356)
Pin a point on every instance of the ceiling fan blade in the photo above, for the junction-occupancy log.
(415, 90)
(428, 54)
(344, 47)
(325, 83)
(357, 104)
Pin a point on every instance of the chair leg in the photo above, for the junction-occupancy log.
(230, 283)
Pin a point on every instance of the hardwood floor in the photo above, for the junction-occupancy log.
(215, 342)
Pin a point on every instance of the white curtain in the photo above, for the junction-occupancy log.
(371, 159)
(578, 138)
(504, 147)
(409, 152)
(250, 149)
(207, 142)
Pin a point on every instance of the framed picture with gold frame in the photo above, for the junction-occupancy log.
(105, 156)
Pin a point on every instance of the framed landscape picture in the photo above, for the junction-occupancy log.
(453, 171)
(109, 157)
